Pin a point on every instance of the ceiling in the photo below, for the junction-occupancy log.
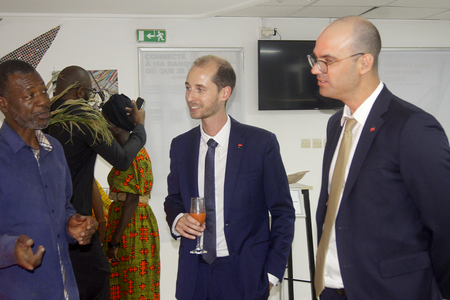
(370, 9)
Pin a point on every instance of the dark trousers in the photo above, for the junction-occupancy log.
(332, 294)
(91, 269)
(216, 281)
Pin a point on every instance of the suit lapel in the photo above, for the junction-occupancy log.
(192, 152)
(333, 139)
(236, 146)
(371, 128)
(334, 129)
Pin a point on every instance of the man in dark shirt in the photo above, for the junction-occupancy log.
(81, 146)
(35, 191)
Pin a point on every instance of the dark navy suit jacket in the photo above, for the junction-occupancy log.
(255, 183)
(393, 224)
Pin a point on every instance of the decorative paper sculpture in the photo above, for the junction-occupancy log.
(33, 51)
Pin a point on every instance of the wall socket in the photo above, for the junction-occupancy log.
(306, 143)
(317, 143)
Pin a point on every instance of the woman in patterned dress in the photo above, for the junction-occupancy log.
(132, 233)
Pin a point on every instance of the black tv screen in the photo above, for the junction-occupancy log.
(285, 81)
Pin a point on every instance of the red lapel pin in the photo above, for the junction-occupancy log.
(372, 129)
(239, 146)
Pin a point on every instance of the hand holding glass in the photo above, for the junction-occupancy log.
(198, 212)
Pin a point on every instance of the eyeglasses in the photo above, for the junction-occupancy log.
(323, 65)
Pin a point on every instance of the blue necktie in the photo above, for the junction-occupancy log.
(209, 242)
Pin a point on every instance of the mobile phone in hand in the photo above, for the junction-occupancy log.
(140, 102)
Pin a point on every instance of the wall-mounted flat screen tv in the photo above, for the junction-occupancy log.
(285, 81)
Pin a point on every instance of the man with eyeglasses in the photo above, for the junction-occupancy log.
(81, 146)
(384, 206)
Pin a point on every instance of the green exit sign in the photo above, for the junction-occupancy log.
(151, 35)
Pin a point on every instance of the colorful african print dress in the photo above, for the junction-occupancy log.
(136, 275)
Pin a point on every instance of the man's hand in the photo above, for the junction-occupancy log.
(24, 254)
(82, 228)
(139, 114)
(189, 227)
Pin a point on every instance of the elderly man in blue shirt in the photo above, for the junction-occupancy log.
(37, 221)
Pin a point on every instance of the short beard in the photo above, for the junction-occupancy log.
(28, 122)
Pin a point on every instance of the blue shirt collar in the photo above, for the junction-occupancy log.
(16, 142)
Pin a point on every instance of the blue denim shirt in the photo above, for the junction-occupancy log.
(35, 201)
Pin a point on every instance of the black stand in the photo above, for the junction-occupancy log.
(290, 278)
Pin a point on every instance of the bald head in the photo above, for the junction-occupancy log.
(73, 75)
(362, 36)
(350, 47)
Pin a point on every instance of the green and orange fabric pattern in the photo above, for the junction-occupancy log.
(137, 273)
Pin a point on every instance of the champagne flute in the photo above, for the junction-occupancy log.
(198, 212)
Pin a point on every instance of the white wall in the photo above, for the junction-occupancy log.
(110, 43)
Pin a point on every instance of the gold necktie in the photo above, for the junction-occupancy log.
(337, 184)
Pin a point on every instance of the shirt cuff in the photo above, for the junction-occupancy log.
(274, 280)
(7, 249)
(174, 225)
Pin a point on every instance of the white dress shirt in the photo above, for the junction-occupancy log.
(220, 162)
(333, 278)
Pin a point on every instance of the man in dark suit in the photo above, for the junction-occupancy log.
(250, 181)
(390, 236)
(81, 145)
